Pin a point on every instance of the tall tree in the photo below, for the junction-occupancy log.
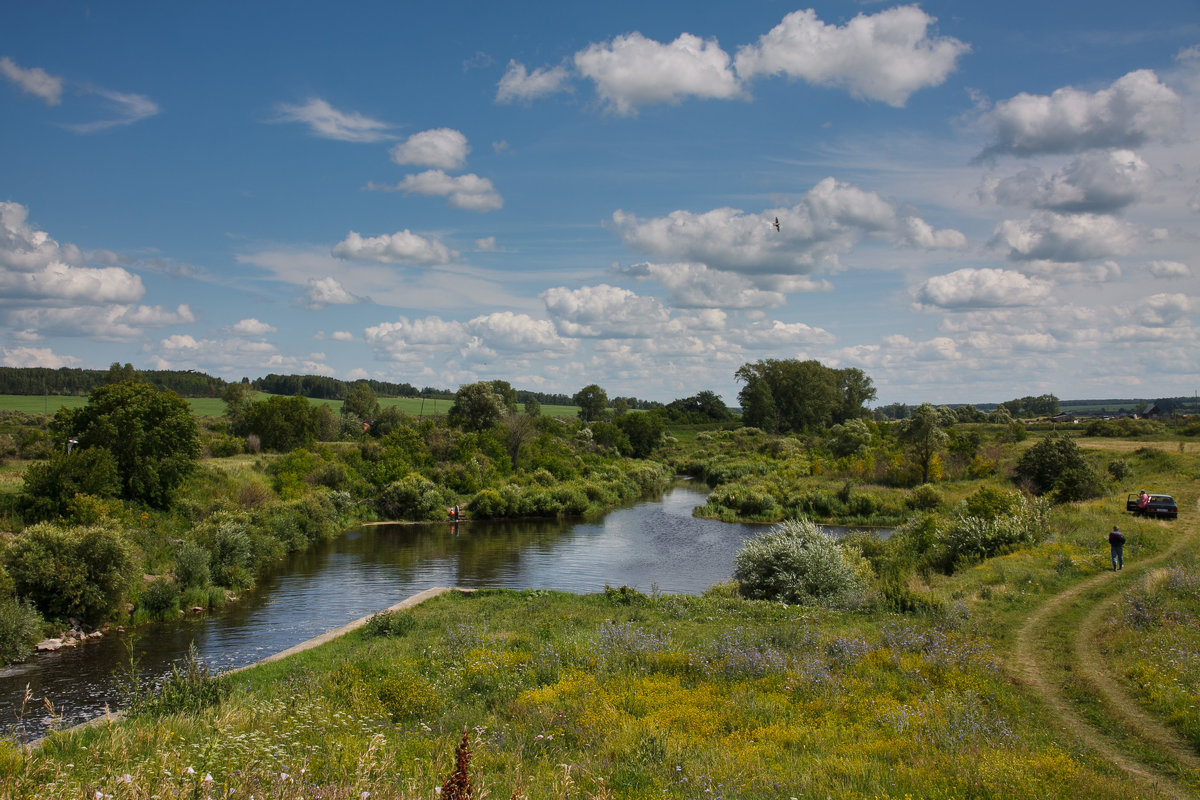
(361, 401)
(477, 406)
(795, 396)
(152, 435)
(923, 433)
(592, 400)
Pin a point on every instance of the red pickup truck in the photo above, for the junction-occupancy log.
(1159, 506)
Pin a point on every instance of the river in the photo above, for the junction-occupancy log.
(651, 546)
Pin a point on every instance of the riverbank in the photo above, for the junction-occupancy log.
(615, 694)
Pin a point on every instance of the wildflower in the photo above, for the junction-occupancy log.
(190, 771)
(208, 777)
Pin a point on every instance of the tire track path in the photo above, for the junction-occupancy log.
(1030, 665)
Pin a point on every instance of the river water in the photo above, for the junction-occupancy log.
(651, 546)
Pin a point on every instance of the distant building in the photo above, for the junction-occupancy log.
(1148, 412)
(1063, 417)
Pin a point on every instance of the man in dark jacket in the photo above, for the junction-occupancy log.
(1116, 544)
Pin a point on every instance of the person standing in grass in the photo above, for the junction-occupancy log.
(1116, 544)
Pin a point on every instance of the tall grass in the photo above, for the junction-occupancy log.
(615, 695)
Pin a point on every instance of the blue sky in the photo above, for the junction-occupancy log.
(975, 201)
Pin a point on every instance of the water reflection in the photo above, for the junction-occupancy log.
(650, 545)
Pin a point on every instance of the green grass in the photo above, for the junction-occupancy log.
(610, 695)
(215, 407)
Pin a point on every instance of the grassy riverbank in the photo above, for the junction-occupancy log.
(616, 695)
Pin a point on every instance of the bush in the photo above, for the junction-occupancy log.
(923, 498)
(192, 566)
(1055, 460)
(50, 487)
(969, 539)
(391, 623)
(797, 562)
(20, 628)
(414, 497)
(81, 571)
(160, 599)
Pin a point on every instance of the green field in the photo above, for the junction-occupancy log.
(215, 407)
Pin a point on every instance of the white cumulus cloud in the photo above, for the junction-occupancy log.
(1050, 236)
(507, 331)
(444, 148)
(328, 291)
(632, 71)
(252, 327)
(610, 311)
(520, 85)
(830, 219)
(974, 288)
(469, 192)
(404, 247)
(885, 56)
(1101, 181)
(1136, 108)
(35, 357)
(1169, 269)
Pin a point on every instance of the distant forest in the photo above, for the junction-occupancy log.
(80, 382)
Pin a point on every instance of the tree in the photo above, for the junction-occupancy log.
(50, 486)
(361, 401)
(237, 397)
(797, 396)
(923, 433)
(705, 407)
(282, 423)
(1056, 464)
(152, 435)
(592, 400)
(477, 406)
(644, 430)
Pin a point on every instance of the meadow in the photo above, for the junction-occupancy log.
(1021, 672)
(215, 407)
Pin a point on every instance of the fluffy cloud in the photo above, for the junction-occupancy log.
(252, 327)
(885, 56)
(1169, 269)
(830, 219)
(24, 248)
(414, 341)
(1133, 110)
(35, 357)
(35, 81)
(1064, 237)
(1103, 181)
(404, 247)
(33, 266)
(327, 122)
(970, 288)
(697, 286)
(520, 85)
(632, 71)
(469, 191)
(768, 335)
(1162, 310)
(445, 148)
(603, 310)
(328, 291)
(521, 333)
(113, 323)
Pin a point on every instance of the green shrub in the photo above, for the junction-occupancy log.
(488, 504)
(797, 562)
(186, 690)
(192, 566)
(414, 497)
(969, 539)
(990, 502)
(391, 623)
(1056, 464)
(923, 498)
(1119, 470)
(20, 628)
(78, 571)
(50, 487)
(160, 599)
